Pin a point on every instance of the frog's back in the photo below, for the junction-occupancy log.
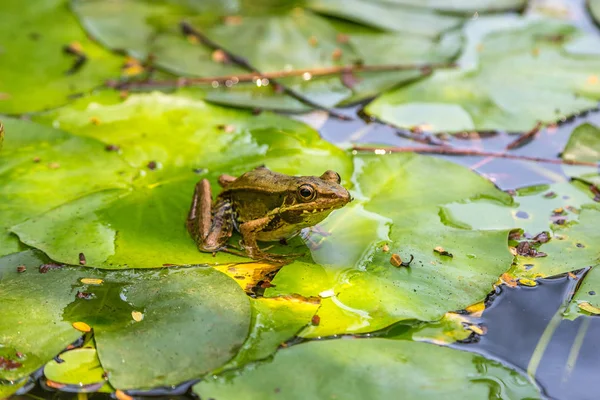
(254, 194)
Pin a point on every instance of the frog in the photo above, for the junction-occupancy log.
(262, 205)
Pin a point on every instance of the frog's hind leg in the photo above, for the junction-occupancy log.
(210, 228)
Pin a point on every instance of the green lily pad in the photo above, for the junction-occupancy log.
(584, 145)
(572, 247)
(37, 162)
(595, 9)
(7, 390)
(183, 322)
(32, 32)
(466, 6)
(79, 367)
(388, 17)
(397, 206)
(192, 318)
(142, 29)
(509, 89)
(142, 224)
(32, 323)
(274, 321)
(372, 369)
(533, 211)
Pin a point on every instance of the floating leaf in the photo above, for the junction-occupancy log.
(389, 17)
(595, 9)
(373, 369)
(509, 90)
(29, 184)
(32, 39)
(533, 211)
(466, 6)
(195, 318)
(143, 225)
(574, 246)
(32, 301)
(142, 29)
(274, 321)
(78, 367)
(396, 204)
(584, 145)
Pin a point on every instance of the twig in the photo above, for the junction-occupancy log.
(524, 138)
(445, 150)
(190, 30)
(251, 77)
(255, 74)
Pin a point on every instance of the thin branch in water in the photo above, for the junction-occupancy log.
(525, 138)
(254, 76)
(190, 30)
(445, 150)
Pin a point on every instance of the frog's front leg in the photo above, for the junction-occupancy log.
(209, 226)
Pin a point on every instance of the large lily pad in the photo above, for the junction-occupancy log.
(396, 205)
(32, 323)
(42, 168)
(143, 224)
(182, 322)
(143, 29)
(524, 76)
(370, 369)
(36, 72)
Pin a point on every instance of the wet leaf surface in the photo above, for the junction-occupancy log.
(466, 6)
(79, 368)
(30, 184)
(595, 10)
(193, 319)
(584, 145)
(387, 16)
(41, 332)
(363, 291)
(509, 89)
(370, 368)
(143, 224)
(32, 39)
(274, 321)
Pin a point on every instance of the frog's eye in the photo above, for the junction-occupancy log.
(331, 176)
(306, 192)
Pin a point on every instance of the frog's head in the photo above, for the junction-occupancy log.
(313, 198)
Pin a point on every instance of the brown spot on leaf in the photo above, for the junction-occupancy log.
(7, 364)
(47, 267)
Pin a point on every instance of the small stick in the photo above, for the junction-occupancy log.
(445, 150)
(253, 76)
(524, 138)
